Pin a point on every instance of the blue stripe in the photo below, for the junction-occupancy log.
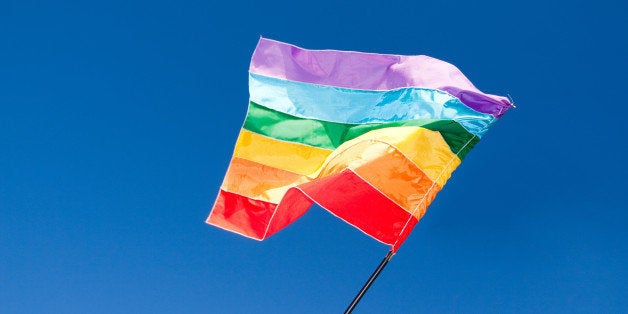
(343, 105)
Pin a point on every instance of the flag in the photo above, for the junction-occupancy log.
(372, 138)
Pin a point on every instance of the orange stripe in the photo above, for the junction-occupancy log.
(259, 181)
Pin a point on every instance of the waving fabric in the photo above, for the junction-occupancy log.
(371, 138)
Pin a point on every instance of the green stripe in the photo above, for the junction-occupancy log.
(330, 135)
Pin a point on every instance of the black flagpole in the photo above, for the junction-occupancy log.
(369, 282)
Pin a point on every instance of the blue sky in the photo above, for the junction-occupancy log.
(118, 119)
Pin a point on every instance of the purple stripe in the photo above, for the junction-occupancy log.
(370, 71)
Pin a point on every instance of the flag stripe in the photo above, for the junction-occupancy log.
(330, 135)
(241, 214)
(343, 105)
(425, 148)
(258, 181)
(298, 158)
(369, 71)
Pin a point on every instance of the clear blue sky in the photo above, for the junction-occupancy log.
(117, 122)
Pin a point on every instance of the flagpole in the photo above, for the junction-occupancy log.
(369, 282)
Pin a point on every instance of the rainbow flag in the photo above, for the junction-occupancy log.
(372, 138)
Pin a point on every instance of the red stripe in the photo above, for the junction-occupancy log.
(349, 197)
(344, 194)
(241, 214)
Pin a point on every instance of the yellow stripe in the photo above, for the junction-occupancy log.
(425, 148)
(294, 157)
